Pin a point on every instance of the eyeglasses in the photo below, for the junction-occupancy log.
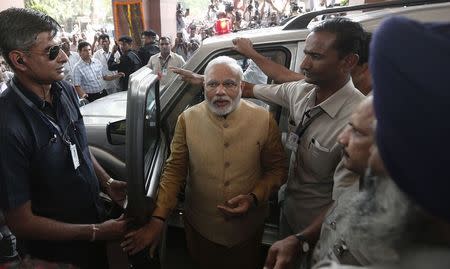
(52, 52)
(227, 84)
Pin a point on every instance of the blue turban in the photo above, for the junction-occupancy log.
(410, 64)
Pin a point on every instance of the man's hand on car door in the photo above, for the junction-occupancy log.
(148, 235)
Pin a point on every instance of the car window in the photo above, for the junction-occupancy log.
(150, 122)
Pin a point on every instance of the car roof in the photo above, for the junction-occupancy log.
(369, 19)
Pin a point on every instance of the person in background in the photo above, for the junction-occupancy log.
(192, 47)
(161, 62)
(88, 75)
(181, 46)
(49, 180)
(74, 44)
(102, 55)
(73, 59)
(150, 46)
(128, 63)
(5, 75)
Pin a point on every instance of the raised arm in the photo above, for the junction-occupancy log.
(276, 71)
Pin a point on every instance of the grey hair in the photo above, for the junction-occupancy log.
(19, 28)
(226, 60)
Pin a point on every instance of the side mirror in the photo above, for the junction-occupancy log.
(116, 132)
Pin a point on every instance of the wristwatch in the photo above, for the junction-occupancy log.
(304, 244)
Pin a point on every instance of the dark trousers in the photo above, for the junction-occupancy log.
(94, 96)
(207, 254)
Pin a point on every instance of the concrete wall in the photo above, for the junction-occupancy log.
(4, 4)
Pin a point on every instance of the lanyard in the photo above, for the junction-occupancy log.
(47, 120)
(316, 112)
(164, 64)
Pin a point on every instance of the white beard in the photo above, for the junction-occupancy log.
(222, 111)
(381, 219)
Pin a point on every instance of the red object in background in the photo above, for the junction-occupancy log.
(223, 26)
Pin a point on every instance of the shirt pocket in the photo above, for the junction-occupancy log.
(320, 160)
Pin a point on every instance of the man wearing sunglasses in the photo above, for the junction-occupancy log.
(49, 181)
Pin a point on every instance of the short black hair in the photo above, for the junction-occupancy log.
(365, 48)
(19, 28)
(149, 33)
(103, 36)
(126, 39)
(165, 38)
(349, 34)
(83, 44)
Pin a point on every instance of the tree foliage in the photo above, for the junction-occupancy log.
(66, 11)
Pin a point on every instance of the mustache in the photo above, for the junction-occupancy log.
(221, 98)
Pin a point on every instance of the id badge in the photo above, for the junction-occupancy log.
(292, 141)
(164, 71)
(74, 154)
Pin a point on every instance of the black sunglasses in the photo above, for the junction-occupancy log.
(52, 52)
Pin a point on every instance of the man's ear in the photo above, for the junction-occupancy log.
(17, 60)
(350, 61)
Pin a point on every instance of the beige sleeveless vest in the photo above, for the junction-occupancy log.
(224, 158)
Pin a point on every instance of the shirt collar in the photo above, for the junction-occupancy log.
(333, 104)
(55, 91)
(160, 56)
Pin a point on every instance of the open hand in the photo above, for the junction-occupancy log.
(237, 206)
(137, 240)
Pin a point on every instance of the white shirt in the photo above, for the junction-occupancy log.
(103, 56)
(74, 57)
(161, 66)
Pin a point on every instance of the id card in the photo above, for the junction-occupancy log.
(164, 71)
(74, 154)
(292, 141)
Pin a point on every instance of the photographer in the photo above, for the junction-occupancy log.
(180, 46)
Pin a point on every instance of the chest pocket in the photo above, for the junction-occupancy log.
(320, 160)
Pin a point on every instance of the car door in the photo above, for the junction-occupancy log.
(146, 151)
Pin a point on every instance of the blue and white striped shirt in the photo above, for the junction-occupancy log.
(89, 75)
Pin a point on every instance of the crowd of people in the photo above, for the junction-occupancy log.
(365, 185)
(100, 68)
(244, 14)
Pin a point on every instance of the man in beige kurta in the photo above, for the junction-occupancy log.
(233, 154)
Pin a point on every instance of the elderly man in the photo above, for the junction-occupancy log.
(161, 62)
(408, 207)
(320, 106)
(356, 139)
(232, 171)
(49, 180)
